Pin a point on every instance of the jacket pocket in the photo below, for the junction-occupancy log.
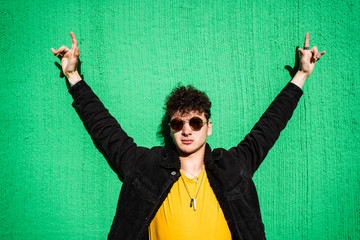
(238, 187)
(144, 189)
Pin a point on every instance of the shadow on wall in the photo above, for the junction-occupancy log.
(163, 133)
(292, 71)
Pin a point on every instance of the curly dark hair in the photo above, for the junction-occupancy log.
(187, 99)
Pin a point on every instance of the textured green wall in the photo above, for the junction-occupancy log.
(56, 185)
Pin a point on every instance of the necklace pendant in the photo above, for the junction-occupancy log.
(191, 202)
(194, 201)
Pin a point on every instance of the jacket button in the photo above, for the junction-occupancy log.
(173, 173)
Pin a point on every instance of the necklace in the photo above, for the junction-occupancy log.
(197, 179)
(193, 200)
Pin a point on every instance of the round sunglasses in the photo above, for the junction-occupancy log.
(195, 123)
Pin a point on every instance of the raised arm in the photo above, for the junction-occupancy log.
(118, 148)
(255, 146)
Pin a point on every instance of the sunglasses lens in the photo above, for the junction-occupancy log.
(176, 124)
(196, 123)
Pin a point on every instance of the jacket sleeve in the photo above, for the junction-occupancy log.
(117, 147)
(255, 146)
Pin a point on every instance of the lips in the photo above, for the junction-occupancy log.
(187, 141)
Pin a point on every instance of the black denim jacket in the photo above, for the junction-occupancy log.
(149, 174)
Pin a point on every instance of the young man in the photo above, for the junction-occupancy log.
(190, 192)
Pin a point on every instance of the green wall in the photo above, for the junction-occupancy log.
(56, 185)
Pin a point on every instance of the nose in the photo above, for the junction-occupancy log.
(186, 130)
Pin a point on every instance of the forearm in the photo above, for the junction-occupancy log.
(254, 148)
(299, 78)
(118, 147)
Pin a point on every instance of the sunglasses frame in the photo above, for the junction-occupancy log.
(183, 123)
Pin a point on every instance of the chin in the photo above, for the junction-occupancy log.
(189, 149)
(186, 150)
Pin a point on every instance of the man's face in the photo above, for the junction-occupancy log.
(187, 140)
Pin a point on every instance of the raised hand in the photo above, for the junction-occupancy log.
(69, 59)
(307, 62)
(308, 57)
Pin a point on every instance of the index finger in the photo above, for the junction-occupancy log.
(74, 41)
(306, 44)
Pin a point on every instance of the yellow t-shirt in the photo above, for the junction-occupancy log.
(175, 218)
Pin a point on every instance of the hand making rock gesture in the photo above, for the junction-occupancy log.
(308, 57)
(69, 59)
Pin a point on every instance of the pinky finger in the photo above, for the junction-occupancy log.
(322, 53)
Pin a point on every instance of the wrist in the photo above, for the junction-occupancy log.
(74, 78)
(299, 78)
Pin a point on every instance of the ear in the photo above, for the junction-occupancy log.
(209, 130)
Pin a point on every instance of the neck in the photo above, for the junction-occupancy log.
(192, 163)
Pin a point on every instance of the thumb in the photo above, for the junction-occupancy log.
(301, 51)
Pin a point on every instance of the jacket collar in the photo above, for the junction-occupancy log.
(211, 156)
(171, 159)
